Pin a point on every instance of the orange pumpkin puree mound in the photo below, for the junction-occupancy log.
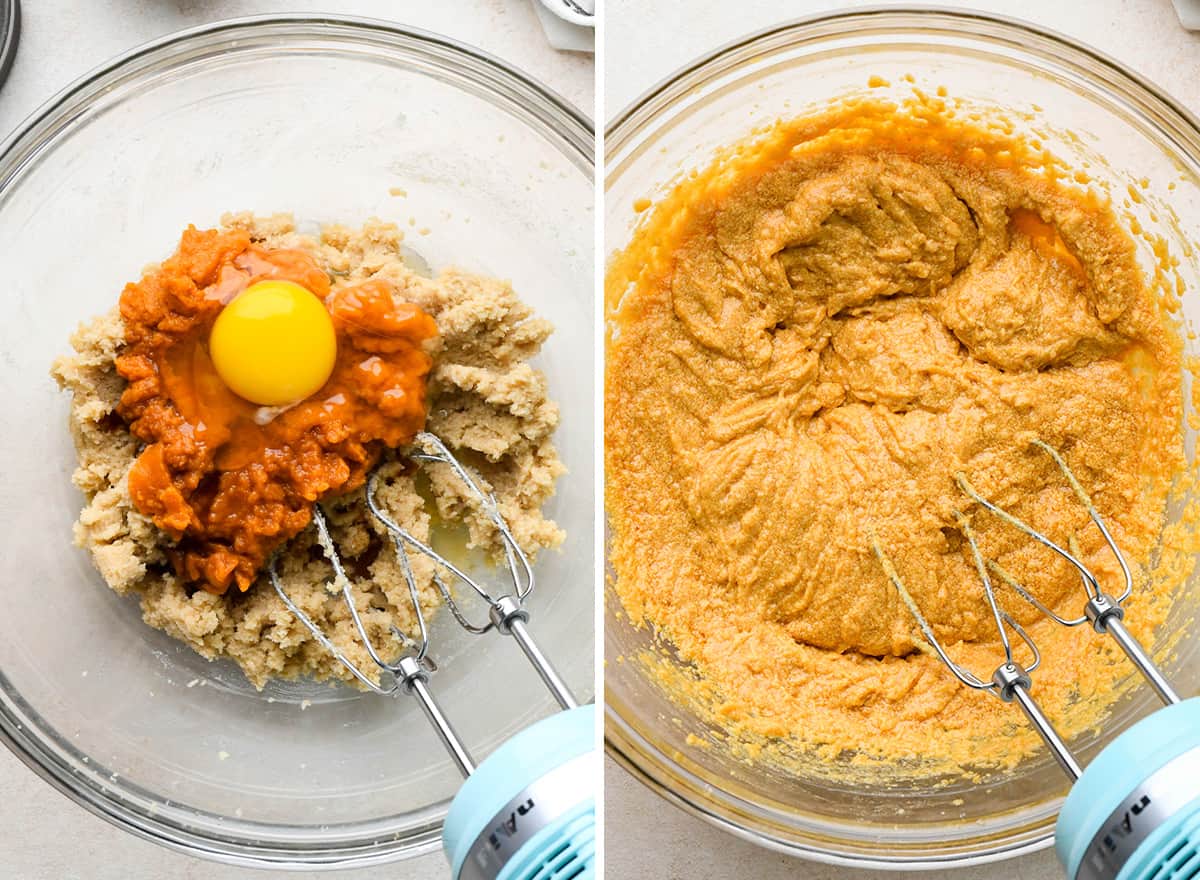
(228, 481)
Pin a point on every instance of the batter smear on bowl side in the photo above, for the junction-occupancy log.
(191, 487)
(807, 341)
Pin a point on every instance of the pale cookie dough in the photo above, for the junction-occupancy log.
(485, 401)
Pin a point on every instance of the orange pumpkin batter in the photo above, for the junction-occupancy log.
(228, 481)
(808, 340)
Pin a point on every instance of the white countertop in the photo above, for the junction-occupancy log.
(647, 40)
(646, 837)
(45, 836)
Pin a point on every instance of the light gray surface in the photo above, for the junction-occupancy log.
(63, 39)
(644, 836)
(647, 40)
(46, 836)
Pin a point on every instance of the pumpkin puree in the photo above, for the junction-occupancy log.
(229, 482)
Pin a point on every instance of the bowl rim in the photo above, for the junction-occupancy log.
(540, 107)
(694, 73)
(646, 762)
(10, 18)
(547, 105)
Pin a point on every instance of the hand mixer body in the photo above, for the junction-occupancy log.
(528, 810)
(1134, 814)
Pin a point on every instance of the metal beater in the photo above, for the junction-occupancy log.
(1134, 813)
(530, 806)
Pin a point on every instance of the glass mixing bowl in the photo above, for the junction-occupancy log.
(1088, 110)
(320, 117)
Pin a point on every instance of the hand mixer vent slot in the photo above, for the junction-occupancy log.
(569, 856)
(1182, 861)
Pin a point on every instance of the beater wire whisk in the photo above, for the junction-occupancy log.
(528, 810)
(1134, 813)
(1011, 680)
(411, 671)
(506, 613)
(1102, 610)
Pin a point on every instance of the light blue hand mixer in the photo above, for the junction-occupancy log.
(528, 811)
(1134, 812)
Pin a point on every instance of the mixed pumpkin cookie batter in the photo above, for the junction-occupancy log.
(807, 342)
(204, 444)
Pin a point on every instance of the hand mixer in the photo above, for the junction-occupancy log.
(528, 811)
(1134, 813)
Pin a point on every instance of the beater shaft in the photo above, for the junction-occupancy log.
(1010, 682)
(509, 617)
(1138, 657)
(416, 682)
(1049, 735)
(548, 674)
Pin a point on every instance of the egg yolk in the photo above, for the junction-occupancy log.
(274, 344)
